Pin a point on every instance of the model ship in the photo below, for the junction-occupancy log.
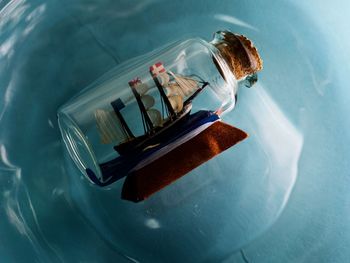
(148, 160)
(175, 140)
(161, 129)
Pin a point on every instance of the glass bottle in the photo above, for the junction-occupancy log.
(146, 103)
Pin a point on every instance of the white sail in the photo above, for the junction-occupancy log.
(164, 79)
(142, 88)
(155, 116)
(148, 101)
(176, 102)
(108, 127)
(174, 89)
(186, 84)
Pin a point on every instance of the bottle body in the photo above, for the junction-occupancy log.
(141, 98)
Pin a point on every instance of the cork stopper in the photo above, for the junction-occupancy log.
(239, 53)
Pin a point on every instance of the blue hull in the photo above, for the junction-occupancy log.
(120, 167)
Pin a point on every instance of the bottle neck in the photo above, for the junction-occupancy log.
(239, 54)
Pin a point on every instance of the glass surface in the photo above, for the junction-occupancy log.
(89, 126)
(282, 195)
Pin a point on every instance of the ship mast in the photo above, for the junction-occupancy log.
(117, 106)
(165, 98)
(145, 118)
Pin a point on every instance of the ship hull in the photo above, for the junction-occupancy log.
(144, 181)
(121, 166)
(160, 136)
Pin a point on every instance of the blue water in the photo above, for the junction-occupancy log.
(280, 196)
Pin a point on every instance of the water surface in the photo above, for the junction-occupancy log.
(280, 196)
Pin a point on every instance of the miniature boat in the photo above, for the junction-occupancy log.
(177, 93)
(151, 170)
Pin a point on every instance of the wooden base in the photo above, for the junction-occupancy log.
(151, 178)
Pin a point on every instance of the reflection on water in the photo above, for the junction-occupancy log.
(233, 20)
(50, 50)
(152, 223)
(279, 140)
(19, 208)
